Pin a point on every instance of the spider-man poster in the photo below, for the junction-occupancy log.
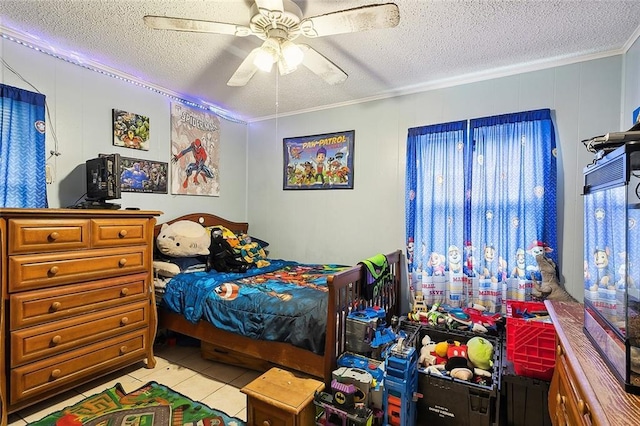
(195, 155)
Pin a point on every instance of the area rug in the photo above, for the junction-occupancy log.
(151, 405)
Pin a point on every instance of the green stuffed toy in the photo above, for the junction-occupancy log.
(480, 352)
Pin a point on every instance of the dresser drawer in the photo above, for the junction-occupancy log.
(39, 235)
(43, 306)
(86, 363)
(261, 413)
(33, 343)
(109, 232)
(41, 271)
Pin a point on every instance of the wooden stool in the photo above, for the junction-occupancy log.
(281, 398)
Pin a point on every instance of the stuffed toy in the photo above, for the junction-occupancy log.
(180, 245)
(427, 352)
(480, 352)
(458, 363)
(550, 287)
(183, 239)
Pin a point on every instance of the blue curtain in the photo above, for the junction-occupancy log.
(480, 204)
(513, 193)
(435, 206)
(22, 148)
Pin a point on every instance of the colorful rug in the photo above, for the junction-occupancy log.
(151, 405)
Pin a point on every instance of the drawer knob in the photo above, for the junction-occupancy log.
(266, 423)
(559, 350)
(583, 408)
(122, 233)
(123, 349)
(55, 373)
(122, 261)
(124, 291)
(53, 270)
(55, 340)
(124, 321)
(55, 306)
(54, 236)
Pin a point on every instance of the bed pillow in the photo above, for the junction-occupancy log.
(165, 269)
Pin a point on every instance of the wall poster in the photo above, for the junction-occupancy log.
(138, 175)
(130, 130)
(319, 162)
(195, 154)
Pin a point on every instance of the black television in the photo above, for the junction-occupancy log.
(103, 181)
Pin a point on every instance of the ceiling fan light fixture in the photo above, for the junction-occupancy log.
(267, 55)
(291, 53)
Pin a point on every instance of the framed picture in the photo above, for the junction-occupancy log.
(130, 130)
(319, 162)
(138, 175)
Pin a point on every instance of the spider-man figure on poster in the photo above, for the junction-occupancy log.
(198, 166)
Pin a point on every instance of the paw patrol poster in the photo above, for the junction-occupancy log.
(195, 153)
(319, 162)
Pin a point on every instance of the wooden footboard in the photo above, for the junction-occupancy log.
(344, 296)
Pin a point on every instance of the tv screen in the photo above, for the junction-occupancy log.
(103, 178)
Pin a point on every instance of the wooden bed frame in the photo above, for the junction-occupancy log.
(344, 292)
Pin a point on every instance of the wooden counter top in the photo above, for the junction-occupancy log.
(608, 402)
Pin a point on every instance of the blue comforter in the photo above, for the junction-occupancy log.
(285, 301)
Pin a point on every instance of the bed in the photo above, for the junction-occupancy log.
(342, 289)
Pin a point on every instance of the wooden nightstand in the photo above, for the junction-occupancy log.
(281, 398)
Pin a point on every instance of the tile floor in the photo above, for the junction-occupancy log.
(179, 367)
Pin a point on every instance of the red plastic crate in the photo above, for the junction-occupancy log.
(530, 343)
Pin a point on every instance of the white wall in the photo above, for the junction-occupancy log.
(346, 226)
(80, 102)
(631, 85)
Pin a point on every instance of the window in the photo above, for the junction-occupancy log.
(480, 204)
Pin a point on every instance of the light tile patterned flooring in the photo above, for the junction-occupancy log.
(179, 367)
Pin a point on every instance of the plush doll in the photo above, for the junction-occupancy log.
(182, 239)
(458, 363)
(549, 287)
(427, 352)
(480, 352)
(180, 246)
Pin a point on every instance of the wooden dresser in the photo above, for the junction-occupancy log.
(78, 298)
(583, 390)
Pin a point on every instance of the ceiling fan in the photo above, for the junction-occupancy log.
(278, 23)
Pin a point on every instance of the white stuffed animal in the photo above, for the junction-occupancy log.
(183, 238)
(428, 346)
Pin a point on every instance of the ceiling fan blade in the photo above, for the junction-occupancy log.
(322, 66)
(245, 71)
(194, 25)
(352, 20)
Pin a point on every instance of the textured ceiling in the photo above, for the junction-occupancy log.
(436, 43)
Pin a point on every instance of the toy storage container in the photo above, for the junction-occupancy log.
(524, 399)
(530, 343)
(448, 401)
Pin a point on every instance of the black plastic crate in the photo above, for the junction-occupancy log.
(447, 401)
(525, 400)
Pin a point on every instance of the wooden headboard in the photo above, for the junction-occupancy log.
(206, 219)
